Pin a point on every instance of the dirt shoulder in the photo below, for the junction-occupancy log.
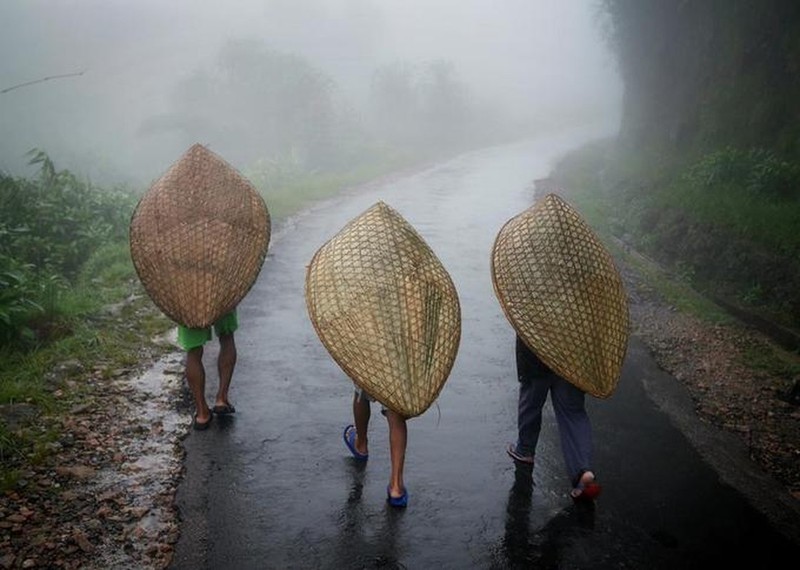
(731, 389)
(101, 493)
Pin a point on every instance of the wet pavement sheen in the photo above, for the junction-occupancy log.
(274, 486)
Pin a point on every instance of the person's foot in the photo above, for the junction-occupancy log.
(398, 498)
(349, 436)
(587, 488)
(516, 456)
(201, 423)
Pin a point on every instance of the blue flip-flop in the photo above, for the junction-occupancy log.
(401, 501)
(349, 436)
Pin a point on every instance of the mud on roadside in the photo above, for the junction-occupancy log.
(104, 495)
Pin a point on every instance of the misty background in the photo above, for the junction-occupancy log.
(305, 84)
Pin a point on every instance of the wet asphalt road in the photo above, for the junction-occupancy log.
(274, 486)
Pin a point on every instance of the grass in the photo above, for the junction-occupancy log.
(775, 224)
(677, 292)
(592, 194)
(772, 360)
(99, 345)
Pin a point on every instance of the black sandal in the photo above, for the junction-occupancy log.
(223, 409)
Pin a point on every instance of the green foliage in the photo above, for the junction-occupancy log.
(751, 192)
(726, 166)
(17, 305)
(772, 360)
(55, 222)
(713, 223)
(49, 227)
(757, 170)
(9, 446)
(754, 294)
(109, 266)
(772, 176)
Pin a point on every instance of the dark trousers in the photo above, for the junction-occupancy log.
(536, 380)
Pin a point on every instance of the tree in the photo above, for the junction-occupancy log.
(422, 105)
(253, 103)
(395, 103)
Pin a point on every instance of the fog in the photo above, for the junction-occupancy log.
(157, 76)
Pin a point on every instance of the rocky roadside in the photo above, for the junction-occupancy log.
(731, 387)
(103, 497)
(103, 494)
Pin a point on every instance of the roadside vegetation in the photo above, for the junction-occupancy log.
(726, 222)
(704, 175)
(708, 233)
(65, 274)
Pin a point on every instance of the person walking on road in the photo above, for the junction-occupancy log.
(536, 380)
(387, 311)
(198, 240)
(356, 440)
(193, 341)
(563, 295)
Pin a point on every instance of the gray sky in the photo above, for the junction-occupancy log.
(524, 55)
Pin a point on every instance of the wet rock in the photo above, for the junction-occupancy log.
(76, 471)
(122, 512)
(83, 542)
(80, 409)
(69, 368)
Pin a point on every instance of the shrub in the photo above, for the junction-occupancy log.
(49, 227)
(18, 292)
(757, 170)
(57, 221)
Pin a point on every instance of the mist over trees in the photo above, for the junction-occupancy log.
(153, 72)
(425, 104)
(260, 107)
(251, 103)
(705, 174)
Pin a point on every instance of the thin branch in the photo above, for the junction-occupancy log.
(7, 89)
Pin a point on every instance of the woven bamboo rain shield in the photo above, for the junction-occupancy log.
(562, 293)
(386, 310)
(198, 238)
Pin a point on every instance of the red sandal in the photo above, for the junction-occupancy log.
(587, 489)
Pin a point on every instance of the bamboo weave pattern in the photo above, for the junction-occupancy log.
(562, 293)
(386, 310)
(198, 238)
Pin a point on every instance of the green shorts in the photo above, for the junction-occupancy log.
(193, 338)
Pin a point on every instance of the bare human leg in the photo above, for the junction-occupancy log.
(196, 378)
(226, 362)
(398, 437)
(361, 414)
